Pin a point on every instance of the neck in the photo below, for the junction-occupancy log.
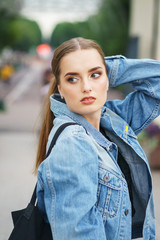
(95, 121)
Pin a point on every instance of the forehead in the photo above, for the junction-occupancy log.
(81, 59)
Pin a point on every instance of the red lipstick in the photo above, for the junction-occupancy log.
(88, 100)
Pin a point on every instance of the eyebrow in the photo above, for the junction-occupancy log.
(75, 73)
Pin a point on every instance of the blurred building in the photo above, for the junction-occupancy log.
(145, 29)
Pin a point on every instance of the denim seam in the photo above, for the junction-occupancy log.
(110, 185)
(115, 208)
(152, 117)
(40, 181)
(150, 88)
(147, 227)
(51, 187)
(113, 73)
(121, 220)
(114, 173)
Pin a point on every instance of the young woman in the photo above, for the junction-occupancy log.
(96, 183)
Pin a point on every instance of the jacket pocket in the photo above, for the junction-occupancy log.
(108, 193)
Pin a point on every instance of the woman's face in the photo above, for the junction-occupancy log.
(83, 82)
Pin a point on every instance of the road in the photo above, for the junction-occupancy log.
(19, 127)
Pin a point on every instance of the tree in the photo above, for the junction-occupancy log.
(24, 34)
(109, 27)
(62, 32)
(17, 32)
(112, 26)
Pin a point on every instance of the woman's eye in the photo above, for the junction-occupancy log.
(95, 75)
(72, 79)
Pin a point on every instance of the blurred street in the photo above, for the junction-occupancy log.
(19, 126)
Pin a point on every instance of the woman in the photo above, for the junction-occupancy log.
(96, 182)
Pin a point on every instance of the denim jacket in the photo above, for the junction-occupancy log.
(81, 189)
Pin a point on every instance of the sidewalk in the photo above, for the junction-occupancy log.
(17, 157)
(19, 127)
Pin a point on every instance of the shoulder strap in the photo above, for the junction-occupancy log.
(56, 135)
(54, 139)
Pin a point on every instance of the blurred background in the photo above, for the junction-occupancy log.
(29, 33)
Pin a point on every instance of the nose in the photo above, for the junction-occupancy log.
(86, 86)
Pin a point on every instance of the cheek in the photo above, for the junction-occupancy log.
(103, 87)
(103, 90)
(70, 97)
(70, 93)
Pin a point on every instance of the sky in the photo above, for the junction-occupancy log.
(48, 13)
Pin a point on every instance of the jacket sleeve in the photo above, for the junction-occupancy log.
(141, 106)
(70, 176)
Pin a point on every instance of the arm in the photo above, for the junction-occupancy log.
(140, 107)
(70, 176)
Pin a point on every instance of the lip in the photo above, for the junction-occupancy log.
(88, 100)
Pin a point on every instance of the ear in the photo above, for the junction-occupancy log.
(60, 92)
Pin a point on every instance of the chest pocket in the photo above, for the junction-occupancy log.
(108, 193)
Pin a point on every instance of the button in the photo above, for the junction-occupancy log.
(110, 148)
(126, 212)
(106, 178)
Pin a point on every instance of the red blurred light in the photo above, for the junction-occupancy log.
(43, 49)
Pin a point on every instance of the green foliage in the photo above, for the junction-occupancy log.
(4, 21)
(113, 22)
(2, 106)
(18, 33)
(147, 142)
(63, 32)
(109, 27)
(24, 34)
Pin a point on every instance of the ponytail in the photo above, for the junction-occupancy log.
(47, 125)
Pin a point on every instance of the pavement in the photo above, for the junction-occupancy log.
(19, 128)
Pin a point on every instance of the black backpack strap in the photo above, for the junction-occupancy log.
(34, 196)
(56, 135)
(54, 139)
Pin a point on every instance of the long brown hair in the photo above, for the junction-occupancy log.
(64, 49)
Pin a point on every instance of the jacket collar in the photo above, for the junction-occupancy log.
(59, 108)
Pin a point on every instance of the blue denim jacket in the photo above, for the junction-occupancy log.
(81, 189)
